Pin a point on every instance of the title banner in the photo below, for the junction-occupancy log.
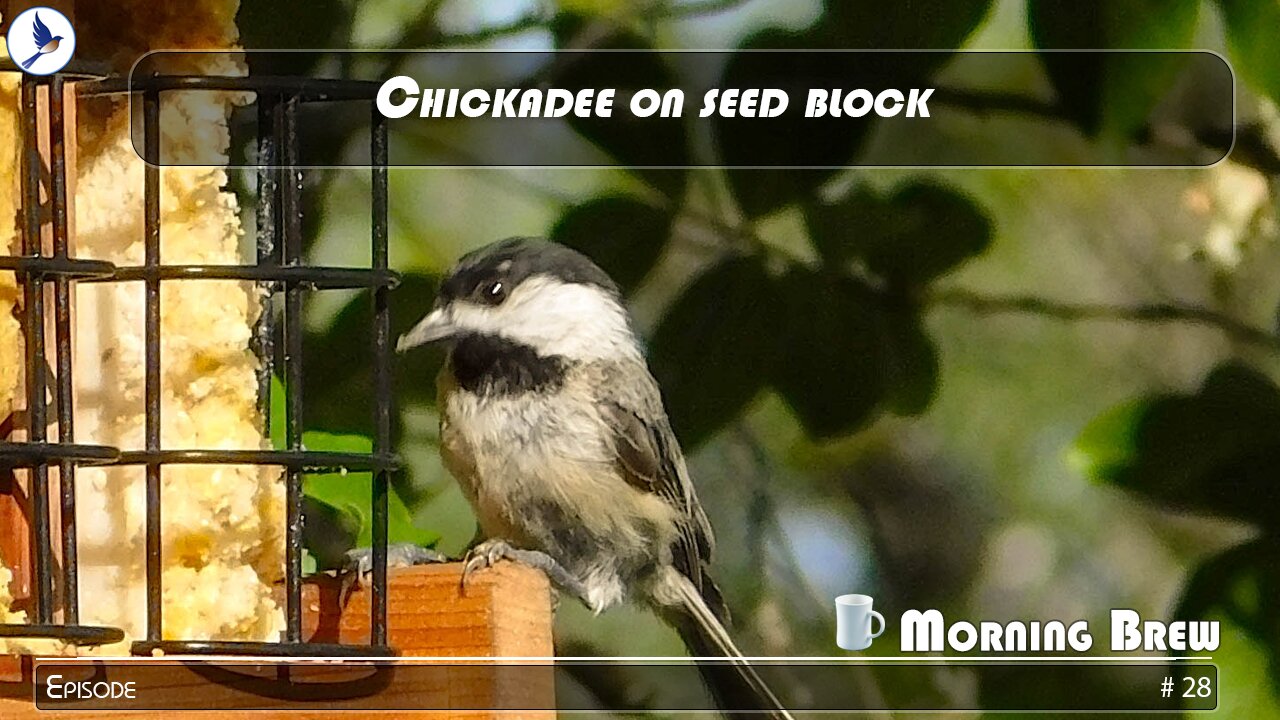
(798, 109)
(806, 686)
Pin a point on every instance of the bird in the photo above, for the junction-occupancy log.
(46, 42)
(556, 431)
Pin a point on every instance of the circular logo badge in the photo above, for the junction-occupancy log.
(41, 41)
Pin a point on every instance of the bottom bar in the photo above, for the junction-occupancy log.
(617, 685)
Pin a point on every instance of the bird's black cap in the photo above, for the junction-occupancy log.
(516, 259)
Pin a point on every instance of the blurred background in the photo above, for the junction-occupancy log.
(1005, 394)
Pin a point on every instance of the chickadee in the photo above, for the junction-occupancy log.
(556, 431)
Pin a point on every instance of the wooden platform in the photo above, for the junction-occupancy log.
(505, 611)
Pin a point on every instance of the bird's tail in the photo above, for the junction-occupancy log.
(30, 61)
(735, 683)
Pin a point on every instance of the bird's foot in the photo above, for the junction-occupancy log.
(359, 562)
(489, 552)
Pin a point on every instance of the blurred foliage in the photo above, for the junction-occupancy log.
(907, 239)
(831, 333)
(1216, 451)
(793, 139)
(816, 141)
(1112, 95)
(339, 504)
(712, 352)
(629, 139)
(342, 363)
(293, 25)
(1251, 40)
(618, 233)
(1241, 586)
(846, 353)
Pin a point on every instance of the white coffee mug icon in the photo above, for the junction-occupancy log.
(853, 622)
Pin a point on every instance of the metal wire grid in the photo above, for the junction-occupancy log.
(279, 269)
(38, 453)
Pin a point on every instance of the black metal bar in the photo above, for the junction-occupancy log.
(291, 211)
(75, 70)
(151, 190)
(70, 268)
(269, 110)
(62, 341)
(312, 277)
(33, 297)
(279, 268)
(263, 649)
(306, 460)
(304, 89)
(85, 635)
(32, 454)
(382, 393)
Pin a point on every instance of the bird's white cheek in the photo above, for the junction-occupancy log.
(580, 332)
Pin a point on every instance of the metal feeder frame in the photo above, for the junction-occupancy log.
(279, 269)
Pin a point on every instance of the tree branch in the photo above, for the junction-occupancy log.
(1150, 313)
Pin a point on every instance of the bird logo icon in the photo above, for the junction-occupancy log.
(46, 41)
(41, 41)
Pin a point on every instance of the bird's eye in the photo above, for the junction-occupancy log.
(494, 293)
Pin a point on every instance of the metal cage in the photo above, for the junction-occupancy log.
(279, 269)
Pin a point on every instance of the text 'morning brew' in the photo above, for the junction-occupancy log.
(928, 632)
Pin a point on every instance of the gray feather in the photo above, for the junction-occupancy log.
(649, 458)
(706, 636)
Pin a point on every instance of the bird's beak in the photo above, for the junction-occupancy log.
(436, 326)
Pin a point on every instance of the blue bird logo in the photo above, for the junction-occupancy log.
(46, 42)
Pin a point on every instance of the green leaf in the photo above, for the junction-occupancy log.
(1251, 40)
(1246, 674)
(831, 368)
(713, 348)
(1109, 442)
(795, 141)
(1111, 96)
(628, 139)
(846, 356)
(309, 564)
(327, 533)
(920, 232)
(791, 139)
(910, 362)
(278, 440)
(890, 25)
(351, 493)
(291, 24)
(622, 235)
(1241, 588)
(1214, 451)
(339, 506)
(338, 361)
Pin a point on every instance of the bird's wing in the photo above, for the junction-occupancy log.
(41, 32)
(649, 459)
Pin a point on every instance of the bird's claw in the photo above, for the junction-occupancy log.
(359, 562)
(486, 554)
(489, 552)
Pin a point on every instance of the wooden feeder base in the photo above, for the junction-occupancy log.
(505, 611)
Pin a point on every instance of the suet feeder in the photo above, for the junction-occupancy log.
(44, 456)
